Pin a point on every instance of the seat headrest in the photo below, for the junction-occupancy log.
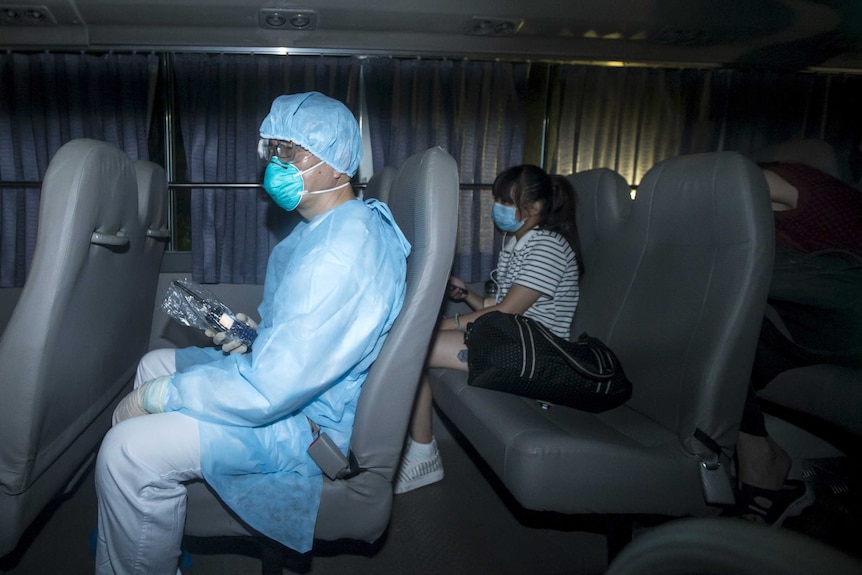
(812, 152)
(152, 198)
(84, 191)
(603, 202)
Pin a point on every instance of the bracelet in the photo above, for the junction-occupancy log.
(458, 322)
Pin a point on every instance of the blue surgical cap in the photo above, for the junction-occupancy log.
(321, 125)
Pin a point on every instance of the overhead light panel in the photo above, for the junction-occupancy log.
(17, 15)
(480, 26)
(670, 36)
(278, 19)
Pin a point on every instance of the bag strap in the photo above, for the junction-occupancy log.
(528, 348)
(604, 361)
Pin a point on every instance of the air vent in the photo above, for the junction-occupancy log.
(680, 37)
(276, 19)
(13, 15)
(494, 26)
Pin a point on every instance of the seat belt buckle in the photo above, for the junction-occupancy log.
(716, 482)
(714, 477)
(326, 454)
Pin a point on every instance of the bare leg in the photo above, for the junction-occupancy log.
(444, 353)
(762, 462)
(765, 494)
(421, 464)
(420, 421)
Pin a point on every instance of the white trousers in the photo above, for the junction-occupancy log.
(142, 466)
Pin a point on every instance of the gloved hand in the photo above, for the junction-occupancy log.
(147, 398)
(231, 345)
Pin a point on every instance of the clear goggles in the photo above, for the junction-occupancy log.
(287, 152)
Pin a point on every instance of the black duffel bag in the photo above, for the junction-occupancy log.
(516, 354)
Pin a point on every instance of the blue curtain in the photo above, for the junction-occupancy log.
(220, 102)
(475, 110)
(629, 119)
(46, 100)
(626, 119)
(752, 110)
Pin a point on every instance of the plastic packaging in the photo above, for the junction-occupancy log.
(193, 305)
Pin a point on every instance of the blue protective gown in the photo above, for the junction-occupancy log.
(333, 289)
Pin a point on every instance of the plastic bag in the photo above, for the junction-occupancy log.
(193, 305)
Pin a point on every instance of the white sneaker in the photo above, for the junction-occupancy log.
(418, 470)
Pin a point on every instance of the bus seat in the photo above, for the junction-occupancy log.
(809, 151)
(677, 293)
(424, 201)
(153, 217)
(8, 300)
(153, 205)
(604, 202)
(824, 398)
(820, 394)
(718, 546)
(380, 184)
(827, 393)
(78, 296)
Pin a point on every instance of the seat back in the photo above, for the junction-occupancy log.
(823, 392)
(153, 208)
(74, 338)
(717, 546)
(810, 151)
(424, 201)
(679, 291)
(603, 201)
(153, 217)
(380, 184)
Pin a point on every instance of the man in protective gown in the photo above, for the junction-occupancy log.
(241, 421)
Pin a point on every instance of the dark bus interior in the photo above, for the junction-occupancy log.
(637, 102)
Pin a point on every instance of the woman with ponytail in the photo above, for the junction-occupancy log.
(537, 275)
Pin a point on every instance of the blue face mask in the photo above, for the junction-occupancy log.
(284, 183)
(504, 218)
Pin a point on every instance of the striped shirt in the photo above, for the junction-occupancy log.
(542, 261)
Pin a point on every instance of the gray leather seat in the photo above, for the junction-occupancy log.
(809, 151)
(720, 546)
(826, 393)
(71, 346)
(380, 184)
(424, 201)
(829, 393)
(153, 218)
(153, 209)
(604, 202)
(677, 292)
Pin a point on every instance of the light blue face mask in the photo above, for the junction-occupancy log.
(504, 218)
(284, 183)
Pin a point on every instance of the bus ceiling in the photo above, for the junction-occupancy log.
(774, 34)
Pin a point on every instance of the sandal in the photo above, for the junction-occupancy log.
(773, 506)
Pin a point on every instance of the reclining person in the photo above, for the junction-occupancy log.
(817, 291)
(538, 274)
(242, 422)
